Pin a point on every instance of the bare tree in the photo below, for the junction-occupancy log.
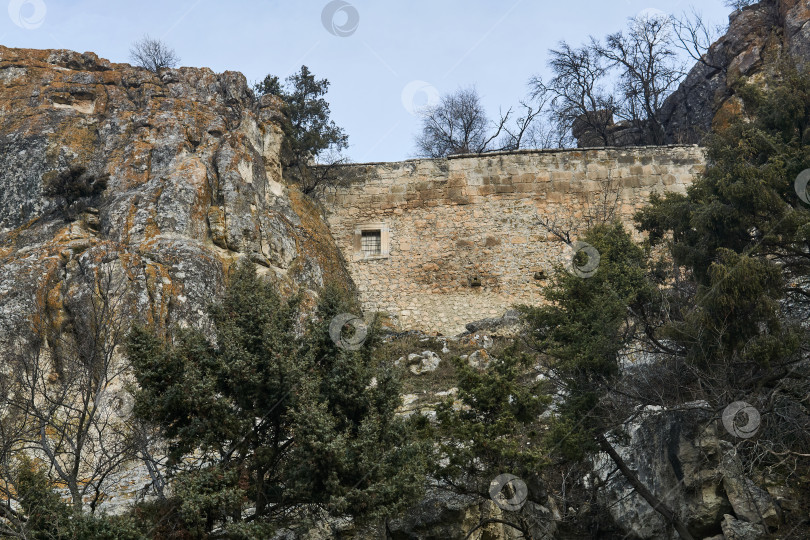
(576, 93)
(694, 36)
(13, 432)
(153, 54)
(326, 173)
(627, 77)
(525, 131)
(649, 71)
(67, 401)
(599, 207)
(457, 125)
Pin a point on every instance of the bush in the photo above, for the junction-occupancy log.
(73, 189)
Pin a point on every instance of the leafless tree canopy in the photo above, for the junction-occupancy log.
(694, 36)
(65, 396)
(607, 92)
(599, 208)
(153, 54)
(624, 78)
(459, 125)
(526, 131)
(576, 92)
(649, 70)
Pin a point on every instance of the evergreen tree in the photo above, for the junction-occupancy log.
(494, 424)
(308, 131)
(739, 239)
(582, 332)
(269, 417)
(493, 428)
(722, 314)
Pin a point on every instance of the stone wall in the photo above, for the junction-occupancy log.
(462, 234)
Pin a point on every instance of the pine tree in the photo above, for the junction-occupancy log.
(266, 417)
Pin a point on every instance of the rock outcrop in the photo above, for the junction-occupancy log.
(509, 324)
(687, 461)
(167, 178)
(757, 36)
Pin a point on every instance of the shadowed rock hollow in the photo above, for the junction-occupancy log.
(185, 175)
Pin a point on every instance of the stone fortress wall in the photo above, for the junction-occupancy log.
(450, 241)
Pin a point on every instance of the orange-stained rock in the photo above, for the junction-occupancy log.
(193, 183)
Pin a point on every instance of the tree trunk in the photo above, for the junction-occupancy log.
(261, 501)
(657, 504)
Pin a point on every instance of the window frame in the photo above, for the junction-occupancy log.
(385, 241)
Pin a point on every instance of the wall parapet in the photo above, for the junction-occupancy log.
(522, 151)
(463, 234)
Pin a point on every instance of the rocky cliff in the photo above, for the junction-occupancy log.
(165, 178)
(757, 37)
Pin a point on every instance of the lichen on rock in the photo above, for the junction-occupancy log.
(192, 182)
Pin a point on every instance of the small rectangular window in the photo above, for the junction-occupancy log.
(371, 243)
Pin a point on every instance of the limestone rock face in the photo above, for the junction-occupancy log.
(756, 37)
(663, 453)
(683, 457)
(193, 182)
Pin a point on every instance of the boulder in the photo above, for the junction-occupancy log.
(426, 362)
(480, 359)
(678, 455)
(735, 529)
(507, 325)
(750, 502)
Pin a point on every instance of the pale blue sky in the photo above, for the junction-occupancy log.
(395, 44)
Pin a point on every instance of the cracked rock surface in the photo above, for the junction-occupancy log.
(193, 183)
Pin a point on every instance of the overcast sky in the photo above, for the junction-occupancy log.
(383, 58)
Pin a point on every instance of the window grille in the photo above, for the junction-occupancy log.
(371, 243)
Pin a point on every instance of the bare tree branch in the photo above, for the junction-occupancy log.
(694, 36)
